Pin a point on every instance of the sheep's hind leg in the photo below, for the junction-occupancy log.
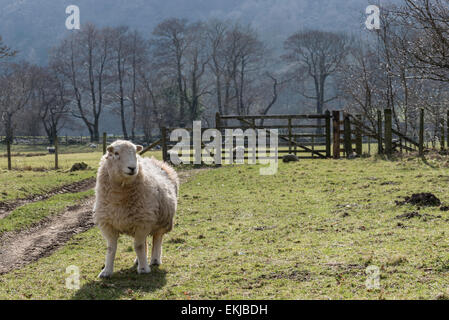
(111, 238)
(140, 248)
(156, 250)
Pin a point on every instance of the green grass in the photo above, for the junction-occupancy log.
(47, 162)
(35, 175)
(32, 213)
(307, 232)
(35, 149)
(21, 184)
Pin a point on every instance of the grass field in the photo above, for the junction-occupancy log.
(307, 232)
(37, 149)
(35, 174)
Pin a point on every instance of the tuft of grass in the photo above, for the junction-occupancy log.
(442, 296)
(442, 264)
(396, 260)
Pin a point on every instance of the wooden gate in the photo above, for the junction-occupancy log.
(318, 136)
(304, 135)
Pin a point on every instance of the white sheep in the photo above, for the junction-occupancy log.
(135, 196)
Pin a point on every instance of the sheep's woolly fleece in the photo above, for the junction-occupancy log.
(146, 202)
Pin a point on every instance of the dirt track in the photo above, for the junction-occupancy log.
(7, 207)
(20, 248)
(25, 246)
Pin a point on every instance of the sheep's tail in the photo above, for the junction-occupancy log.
(171, 173)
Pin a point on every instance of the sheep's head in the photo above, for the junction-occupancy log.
(122, 160)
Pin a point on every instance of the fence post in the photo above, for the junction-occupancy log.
(369, 145)
(217, 121)
(336, 133)
(379, 133)
(347, 134)
(421, 132)
(218, 127)
(104, 142)
(388, 133)
(358, 136)
(447, 132)
(164, 143)
(328, 134)
(8, 151)
(442, 134)
(313, 146)
(56, 151)
(289, 135)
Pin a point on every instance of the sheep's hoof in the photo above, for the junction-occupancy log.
(143, 270)
(156, 262)
(105, 274)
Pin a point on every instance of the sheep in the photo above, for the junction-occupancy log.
(134, 196)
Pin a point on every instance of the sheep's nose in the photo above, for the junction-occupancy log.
(132, 168)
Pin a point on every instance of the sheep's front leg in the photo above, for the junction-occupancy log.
(111, 238)
(156, 250)
(140, 248)
(136, 261)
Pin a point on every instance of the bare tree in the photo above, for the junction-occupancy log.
(51, 102)
(197, 59)
(170, 43)
(84, 58)
(391, 72)
(156, 97)
(16, 87)
(244, 58)
(138, 59)
(182, 56)
(426, 50)
(216, 33)
(319, 55)
(237, 61)
(360, 84)
(277, 83)
(121, 56)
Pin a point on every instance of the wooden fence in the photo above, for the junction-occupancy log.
(337, 134)
(389, 140)
(318, 136)
(52, 150)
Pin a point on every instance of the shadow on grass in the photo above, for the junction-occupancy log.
(125, 283)
(424, 160)
(400, 157)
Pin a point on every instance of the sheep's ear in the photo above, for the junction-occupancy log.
(110, 149)
(139, 148)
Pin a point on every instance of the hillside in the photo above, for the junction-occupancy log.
(33, 27)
